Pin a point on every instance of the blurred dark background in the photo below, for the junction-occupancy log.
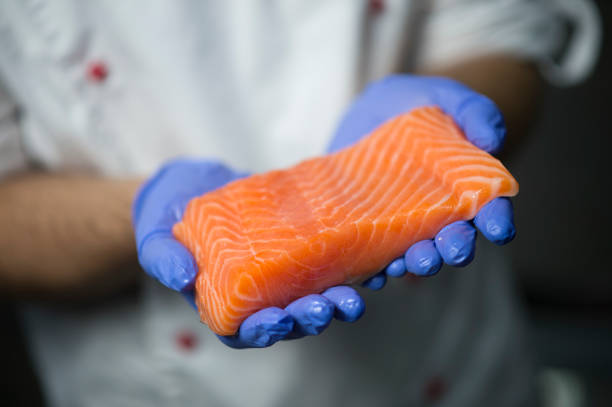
(564, 223)
(560, 254)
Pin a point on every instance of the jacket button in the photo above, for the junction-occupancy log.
(377, 6)
(434, 389)
(97, 71)
(412, 279)
(186, 340)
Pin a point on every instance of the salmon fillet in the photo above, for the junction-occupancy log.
(271, 238)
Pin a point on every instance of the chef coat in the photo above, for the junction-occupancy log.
(117, 88)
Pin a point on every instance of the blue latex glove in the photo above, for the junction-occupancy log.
(162, 201)
(483, 125)
(160, 204)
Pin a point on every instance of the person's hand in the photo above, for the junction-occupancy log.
(161, 202)
(482, 124)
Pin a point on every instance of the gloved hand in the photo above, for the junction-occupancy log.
(483, 125)
(160, 204)
(162, 200)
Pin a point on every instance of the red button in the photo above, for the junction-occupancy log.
(186, 340)
(97, 71)
(412, 279)
(377, 6)
(435, 388)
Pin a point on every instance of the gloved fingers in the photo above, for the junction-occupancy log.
(423, 259)
(311, 315)
(476, 114)
(162, 199)
(379, 102)
(349, 306)
(262, 329)
(456, 243)
(396, 268)
(165, 259)
(480, 119)
(376, 282)
(190, 298)
(495, 221)
(158, 204)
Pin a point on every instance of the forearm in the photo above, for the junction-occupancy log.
(513, 84)
(60, 233)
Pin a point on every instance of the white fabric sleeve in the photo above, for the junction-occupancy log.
(12, 156)
(456, 30)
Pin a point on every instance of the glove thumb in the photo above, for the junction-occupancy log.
(165, 259)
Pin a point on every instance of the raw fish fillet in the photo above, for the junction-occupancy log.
(271, 238)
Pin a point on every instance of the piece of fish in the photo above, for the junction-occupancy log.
(271, 238)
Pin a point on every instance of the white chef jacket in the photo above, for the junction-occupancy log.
(118, 88)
